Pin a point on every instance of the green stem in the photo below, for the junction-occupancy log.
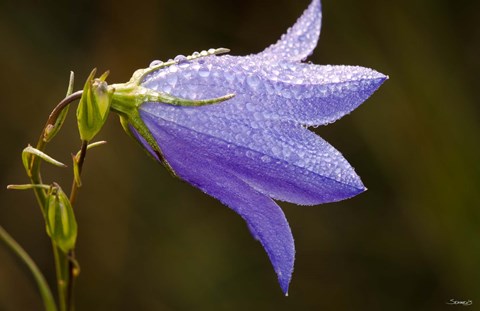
(72, 264)
(61, 267)
(80, 159)
(45, 292)
(61, 259)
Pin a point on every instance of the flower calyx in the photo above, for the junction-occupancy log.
(94, 106)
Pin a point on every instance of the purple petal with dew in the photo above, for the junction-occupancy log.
(304, 93)
(264, 217)
(144, 143)
(280, 159)
(300, 40)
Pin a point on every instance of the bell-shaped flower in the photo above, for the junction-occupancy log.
(255, 147)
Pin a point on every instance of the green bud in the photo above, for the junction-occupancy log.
(94, 106)
(60, 219)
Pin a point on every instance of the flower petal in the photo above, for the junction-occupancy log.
(301, 39)
(280, 159)
(264, 217)
(304, 93)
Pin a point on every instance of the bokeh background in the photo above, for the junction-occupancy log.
(150, 242)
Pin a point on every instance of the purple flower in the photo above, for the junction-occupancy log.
(255, 147)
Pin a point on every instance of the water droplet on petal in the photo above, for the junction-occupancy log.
(258, 116)
(265, 159)
(167, 89)
(172, 80)
(253, 82)
(229, 76)
(156, 63)
(276, 151)
(250, 154)
(204, 72)
(180, 58)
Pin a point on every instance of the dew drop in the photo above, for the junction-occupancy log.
(253, 82)
(180, 58)
(172, 80)
(250, 106)
(156, 63)
(167, 89)
(258, 116)
(250, 154)
(276, 151)
(265, 159)
(204, 72)
(229, 76)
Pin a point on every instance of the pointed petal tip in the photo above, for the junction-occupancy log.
(355, 191)
(384, 77)
(377, 78)
(284, 272)
(374, 74)
(301, 39)
(284, 284)
(355, 188)
(380, 76)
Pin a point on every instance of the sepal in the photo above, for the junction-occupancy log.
(29, 151)
(94, 106)
(52, 129)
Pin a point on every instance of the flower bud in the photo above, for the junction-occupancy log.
(94, 106)
(60, 219)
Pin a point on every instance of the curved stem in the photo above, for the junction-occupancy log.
(34, 172)
(64, 103)
(45, 292)
(61, 259)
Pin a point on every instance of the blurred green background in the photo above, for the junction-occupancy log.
(150, 242)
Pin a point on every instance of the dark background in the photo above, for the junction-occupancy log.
(150, 242)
